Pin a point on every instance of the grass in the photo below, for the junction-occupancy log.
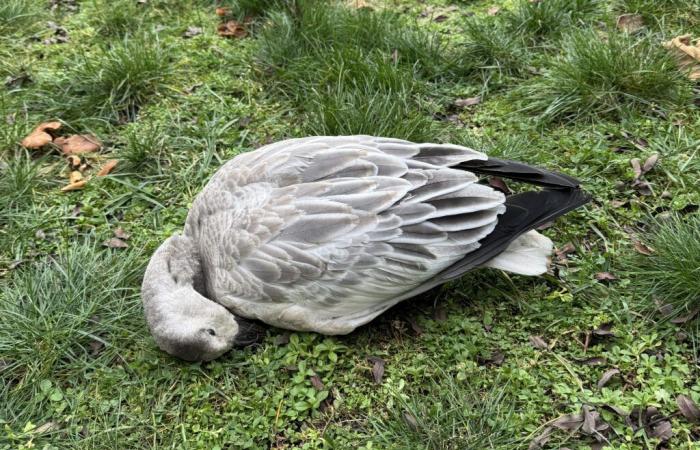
(540, 20)
(446, 414)
(606, 76)
(113, 85)
(16, 15)
(670, 274)
(558, 88)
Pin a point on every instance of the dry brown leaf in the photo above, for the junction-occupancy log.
(688, 408)
(650, 163)
(498, 184)
(121, 234)
(232, 29)
(686, 318)
(410, 420)
(538, 343)
(687, 54)
(74, 186)
(637, 167)
(74, 162)
(643, 248)
(492, 11)
(606, 377)
(115, 243)
(40, 136)
(78, 143)
(75, 176)
(107, 167)
(464, 102)
(317, 383)
(605, 276)
(630, 23)
(221, 11)
(377, 368)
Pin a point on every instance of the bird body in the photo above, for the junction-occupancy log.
(325, 233)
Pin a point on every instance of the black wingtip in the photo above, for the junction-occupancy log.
(520, 172)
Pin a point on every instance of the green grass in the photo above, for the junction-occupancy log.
(558, 88)
(611, 75)
(539, 20)
(17, 15)
(671, 274)
(113, 83)
(447, 414)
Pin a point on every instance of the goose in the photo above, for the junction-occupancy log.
(325, 233)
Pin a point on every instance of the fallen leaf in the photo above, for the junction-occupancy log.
(604, 330)
(688, 408)
(607, 375)
(46, 428)
(74, 162)
(605, 276)
(359, 4)
(630, 23)
(17, 81)
(440, 314)
(233, 29)
(74, 186)
(642, 187)
(107, 167)
(78, 143)
(377, 368)
(115, 243)
(642, 248)
(662, 430)
(75, 176)
(464, 102)
(410, 420)
(317, 383)
(688, 317)
(542, 439)
(496, 358)
(192, 32)
(636, 167)
(687, 54)
(96, 347)
(440, 18)
(121, 234)
(567, 249)
(40, 136)
(538, 343)
(492, 11)
(221, 12)
(498, 184)
(592, 361)
(650, 163)
(569, 422)
(619, 203)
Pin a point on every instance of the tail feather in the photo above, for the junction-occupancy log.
(529, 254)
(524, 212)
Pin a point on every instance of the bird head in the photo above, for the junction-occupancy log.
(184, 322)
(189, 326)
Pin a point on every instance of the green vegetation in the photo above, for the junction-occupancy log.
(489, 361)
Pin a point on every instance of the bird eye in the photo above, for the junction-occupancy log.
(211, 332)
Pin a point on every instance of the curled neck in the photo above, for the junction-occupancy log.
(175, 265)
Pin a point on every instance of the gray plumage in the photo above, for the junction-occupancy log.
(321, 234)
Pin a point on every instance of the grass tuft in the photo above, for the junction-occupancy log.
(56, 311)
(17, 15)
(490, 46)
(114, 85)
(447, 415)
(549, 19)
(609, 76)
(116, 19)
(671, 274)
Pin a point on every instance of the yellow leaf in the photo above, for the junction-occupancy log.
(687, 53)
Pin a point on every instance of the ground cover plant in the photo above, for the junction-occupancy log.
(600, 353)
